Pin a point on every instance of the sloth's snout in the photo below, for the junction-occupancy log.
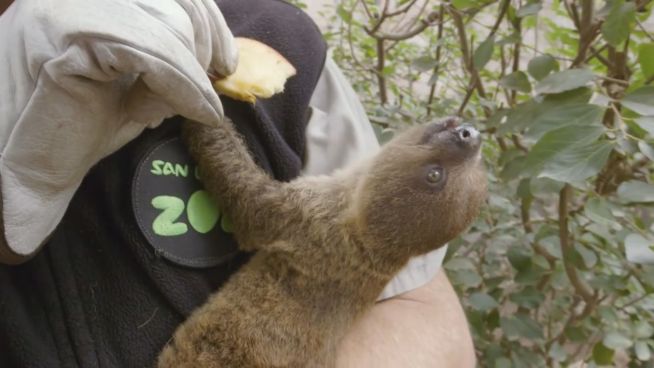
(468, 135)
(450, 129)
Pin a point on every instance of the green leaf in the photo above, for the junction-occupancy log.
(639, 249)
(524, 191)
(575, 333)
(608, 313)
(635, 191)
(575, 258)
(521, 326)
(618, 23)
(647, 123)
(574, 96)
(529, 9)
(643, 330)
(459, 263)
(640, 101)
(647, 277)
(517, 81)
(531, 275)
(565, 115)
(562, 145)
(466, 279)
(615, 340)
(642, 351)
(577, 164)
(388, 70)
(503, 362)
(483, 53)
(602, 355)
(542, 65)
(646, 149)
(532, 112)
(519, 257)
(344, 14)
(646, 59)
(557, 352)
(462, 4)
(383, 134)
(564, 81)
(424, 63)
(597, 210)
(511, 39)
(482, 302)
(529, 297)
(588, 256)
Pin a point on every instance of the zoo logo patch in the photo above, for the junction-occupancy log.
(175, 213)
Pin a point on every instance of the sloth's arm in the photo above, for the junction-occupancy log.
(260, 208)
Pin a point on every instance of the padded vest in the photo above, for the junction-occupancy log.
(99, 294)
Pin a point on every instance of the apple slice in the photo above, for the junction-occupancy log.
(261, 72)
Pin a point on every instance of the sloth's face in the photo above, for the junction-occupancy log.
(425, 186)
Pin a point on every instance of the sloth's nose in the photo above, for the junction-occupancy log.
(467, 134)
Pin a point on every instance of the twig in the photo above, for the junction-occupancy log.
(581, 287)
(475, 80)
(381, 79)
(381, 18)
(366, 9)
(587, 31)
(351, 45)
(634, 301)
(595, 53)
(405, 9)
(614, 80)
(439, 41)
(503, 9)
(642, 27)
(403, 36)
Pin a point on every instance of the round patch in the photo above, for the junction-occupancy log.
(175, 213)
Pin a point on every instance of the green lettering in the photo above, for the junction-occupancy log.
(168, 169)
(202, 212)
(181, 170)
(164, 224)
(156, 167)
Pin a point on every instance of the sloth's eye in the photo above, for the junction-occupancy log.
(435, 175)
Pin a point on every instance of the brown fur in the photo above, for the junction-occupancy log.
(326, 246)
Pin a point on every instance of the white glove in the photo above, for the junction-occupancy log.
(79, 79)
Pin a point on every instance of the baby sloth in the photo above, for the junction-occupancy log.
(326, 246)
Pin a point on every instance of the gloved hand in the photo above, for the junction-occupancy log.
(79, 79)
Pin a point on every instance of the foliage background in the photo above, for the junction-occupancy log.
(564, 93)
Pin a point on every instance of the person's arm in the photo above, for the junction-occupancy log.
(424, 327)
(420, 322)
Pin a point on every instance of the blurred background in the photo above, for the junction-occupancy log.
(559, 268)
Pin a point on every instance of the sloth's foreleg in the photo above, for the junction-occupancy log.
(260, 207)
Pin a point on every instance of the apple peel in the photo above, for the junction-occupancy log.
(261, 72)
